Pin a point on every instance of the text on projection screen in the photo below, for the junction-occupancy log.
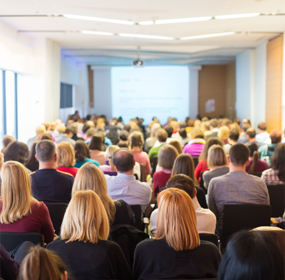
(150, 91)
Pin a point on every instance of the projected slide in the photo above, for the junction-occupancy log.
(150, 91)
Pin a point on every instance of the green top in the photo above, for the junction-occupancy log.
(153, 152)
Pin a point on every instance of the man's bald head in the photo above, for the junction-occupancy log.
(124, 160)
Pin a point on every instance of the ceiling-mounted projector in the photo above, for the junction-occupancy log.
(138, 62)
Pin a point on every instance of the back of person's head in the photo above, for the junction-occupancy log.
(16, 151)
(182, 182)
(45, 150)
(176, 211)
(90, 132)
(81, 150)
(44, 136)
(96, 142)
(155, 127)
(40, 129)
(253, 152)
(234, 134)
(136, 140)
(251, 133)
(124, 160)
(176, 145)
(85, 127)
(42, 264)
(183, 133)
(210, 142)
(275, 136)
(223, 133)
(90, 177)
(174, 125)
(216, 157)
(252, 148)
(278, 161)
(190, 123)
(238, 121)
(226, 122)
(214, 123)
(68, 131)
(109, 155)
(169, 130)
(6, 141)
(161, 135)
(184, 164)
(246, 121)
(15, 192)
(85, 218)
(123, 144)
(65, 155)
(166, 156)
(251, 255)
(246, 126)
(239, 154)
(197, 133)
(31, 158)
(262, 126)
(124, 135)
(60, 128)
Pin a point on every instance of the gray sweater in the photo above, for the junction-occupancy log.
(208, 175)
(234, 188)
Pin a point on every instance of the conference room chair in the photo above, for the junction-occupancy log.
(10, 240)
(138, 217)
(154, 164)
(56, 212)
(201, 197)
(243, 217)
(257, 174)
(277, 199)
(196, 161)
(202, 183)
(210, 237)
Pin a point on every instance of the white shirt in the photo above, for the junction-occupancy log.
(127, 188)
(206, 219)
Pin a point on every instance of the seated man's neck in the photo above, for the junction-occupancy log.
(232, 142)
(131, 172)
(237, 167)
(47, 165)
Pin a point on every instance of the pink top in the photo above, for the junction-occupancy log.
(38, 221)
(142, 157)
(98, 155)
(69, 170)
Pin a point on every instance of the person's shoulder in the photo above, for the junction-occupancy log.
(64, 174)
(147, 243)
(208, 247)
(267, 171)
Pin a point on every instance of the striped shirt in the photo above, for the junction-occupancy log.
(270, 177)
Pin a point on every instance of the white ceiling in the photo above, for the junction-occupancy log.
(115, 50)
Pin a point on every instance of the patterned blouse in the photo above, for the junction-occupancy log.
(270, 176)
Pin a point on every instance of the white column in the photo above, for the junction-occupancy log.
(193, 90)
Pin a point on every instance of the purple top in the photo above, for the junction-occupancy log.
(260, 166)
(194, 149)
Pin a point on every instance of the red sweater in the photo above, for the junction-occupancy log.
(69, 170)
(160, 179)
(38, 221)
(201, 166)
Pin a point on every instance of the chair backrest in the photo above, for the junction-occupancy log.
(202, 183)
(210, 237)
(201, 197)
(56, 212)
(10, 240)
(154, 164)
(138, 216)
(243, 216)
(277, 199)
(258, 174)
(196, 161)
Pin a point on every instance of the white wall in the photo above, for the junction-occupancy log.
(193, 91)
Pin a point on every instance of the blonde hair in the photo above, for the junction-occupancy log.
(40, 129)
(166, 156)
(109, 155)
(197, 133)
(1, 160)
(197, 123)
(41, 264)
(136, 139)
(15, 192)
(155, 127)
(85, 219)
(65, 155)
(90, 177)
(174, 125)
(223, 133)
(216, 156)
(176, 220)
(60, 128)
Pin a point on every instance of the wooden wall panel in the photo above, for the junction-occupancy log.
(212, 85)
(274, 59)
(231, 90)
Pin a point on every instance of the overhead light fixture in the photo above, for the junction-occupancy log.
(179, 20)
(238, 16)
(145, 36)
(207, 36)
(117, 21)
(97, 33)
(147, 22)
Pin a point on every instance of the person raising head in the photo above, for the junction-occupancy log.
(82, 154)
(42, 264)
(175, 211)
(66, 158)
(85, 229)
(49, 184)
(20, 211)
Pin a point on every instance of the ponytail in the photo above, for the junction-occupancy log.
(254, 162)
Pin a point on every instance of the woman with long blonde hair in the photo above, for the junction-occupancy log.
(19, 210)
(176, 252)
(90, 177)
(83, 244)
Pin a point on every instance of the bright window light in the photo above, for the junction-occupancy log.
(117, 21)
(10, 103)
(97, 33)
(145, 36)
(147, 22)
(207, 36)
(179, 20)
(237, 16)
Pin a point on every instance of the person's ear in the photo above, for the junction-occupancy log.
(229, 160)
(116, 169)
(64, 276)
(36, 157)
(195, 192)
(246, 164)
(55, 157)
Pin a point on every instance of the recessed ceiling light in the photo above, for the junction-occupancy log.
(147, 22)
(179, 20)
(145, 36)
(237, 16)
(127, 22)
(97, 33)
(207, 36)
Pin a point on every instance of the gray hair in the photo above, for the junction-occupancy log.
(45, 150)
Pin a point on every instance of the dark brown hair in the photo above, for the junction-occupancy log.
(253, 152)
(278, 161)
(182, 182)
(16, 151)
(81, 150)
(210, 142)
(184, 164)
(239, 154)
(96, 142)
(166, 156)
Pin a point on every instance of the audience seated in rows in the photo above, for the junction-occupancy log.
(83, 244)
(175, 254)
(124, 186)
(19, 210)
(49, 184)
(237, 186)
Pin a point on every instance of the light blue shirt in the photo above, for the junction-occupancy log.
(127, 188)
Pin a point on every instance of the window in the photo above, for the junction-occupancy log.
(66, 96)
